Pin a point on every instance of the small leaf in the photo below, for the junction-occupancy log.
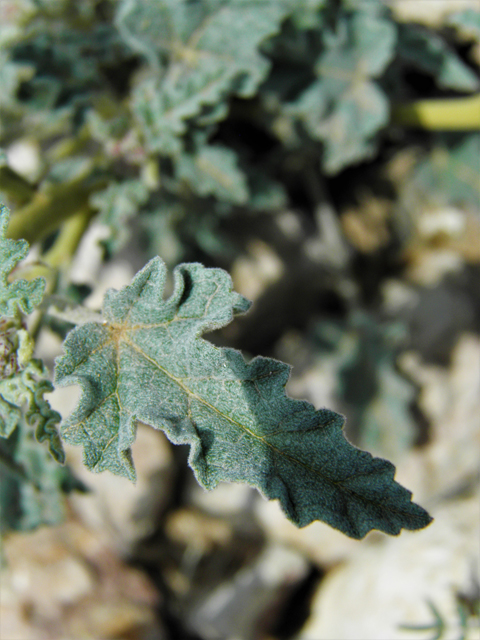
(20, 293)
(147, 362)
(22, 400)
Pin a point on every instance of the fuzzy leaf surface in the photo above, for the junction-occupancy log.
(147, 362)
(20, 293)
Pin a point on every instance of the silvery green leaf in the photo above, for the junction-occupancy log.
(148, 362)
(200, 55)
(19, 293)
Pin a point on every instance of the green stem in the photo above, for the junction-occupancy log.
(452, 114)
(68, 239)
(49, 208)
(15, 186)
(60, 255)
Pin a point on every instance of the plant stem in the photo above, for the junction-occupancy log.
(49, 208)
(455, 114)
(15, 186)
(69, 238)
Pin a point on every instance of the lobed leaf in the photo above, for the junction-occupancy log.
(147, 362)
(207, 52)
(20, 293)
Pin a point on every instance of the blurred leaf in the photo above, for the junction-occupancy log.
(449, 175)
(32, 483)
(370, 389)
(119, 202)
(344, 108)
(467, 22)
(213, 171)
(429, 52)
(20, 293)
(211, 50)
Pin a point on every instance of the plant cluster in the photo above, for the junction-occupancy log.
(175, 123)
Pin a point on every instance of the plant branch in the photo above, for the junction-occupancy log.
(15, 185)
(455, 114)
(50, 207)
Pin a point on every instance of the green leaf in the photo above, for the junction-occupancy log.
(119, 202)
(448, 175)
(214, 171)
(429, 52)
(467, 23)
(32, 484)
(147, 362)
(209, 51)
(20, 293)
(343, 107)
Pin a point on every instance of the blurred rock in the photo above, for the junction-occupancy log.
(226, 500)
(429, 12)
(124, 511)
(321, 544)
(65, 582)
(237, 609)
(255, 271)
(388, 584)
(450, 400)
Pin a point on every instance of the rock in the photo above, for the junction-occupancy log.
(237, 608)
(66, 582)
(318, 542)
(388, 584)
(226, 500)
(431, 13)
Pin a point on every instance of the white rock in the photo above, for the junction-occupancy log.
(387, 585)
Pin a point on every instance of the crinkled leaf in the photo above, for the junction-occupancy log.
(148, 362)
(214, 171)
(210, 51)
(20, 293)
(344, 108)
(429, 52)
(22, 400)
